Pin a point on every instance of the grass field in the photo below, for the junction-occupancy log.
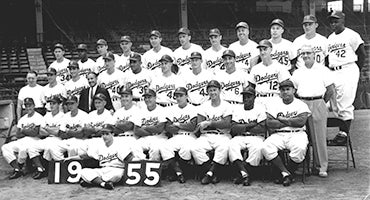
(341, 184)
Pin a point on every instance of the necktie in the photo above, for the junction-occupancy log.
(91, 96)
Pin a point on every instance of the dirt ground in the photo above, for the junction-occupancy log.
(341, 184)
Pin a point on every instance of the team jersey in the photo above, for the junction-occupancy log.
(150, 118)
(283, 52)
(342, 47)
(216, 113)
(213, 59)
(62, 70)
(312, 82)
(70, 122)
(36, 93)
(244, 53)
(112, 156)
(138, 83)
(232, 85)
(256, 114)
(182, 115)
(267, 78)
(100, 63)
(124, 115)
(289, 111)
(87, 66)
(197, 85)
(112, 82)
(319, 44)
(165, 87)
(182, 56)
(53, 120)
(28, 122)
(75, 87)
(124, 62)
(151, 58)
(57, 91)
(98, 120)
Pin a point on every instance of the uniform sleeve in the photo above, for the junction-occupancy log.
(291, 51)
(270, 109)
(355, 41)
(228, 109)
(93, 152)
(123, 152)
(295, 48)
(327, 76)
(294, 78)
(283, 74)
(252, 75)
(324, 46)
(303, 108)
(40, 121)
(261, 114)
(20, 122)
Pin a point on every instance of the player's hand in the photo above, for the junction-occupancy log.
(203, 125)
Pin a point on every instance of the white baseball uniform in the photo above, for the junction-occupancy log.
(49, 92)
(244, 53)
(75, 87)
(165, 88)
(100, 63)
(87, 66)
(138, 83)
(197, 85)
(150, 59)
(96, 120)
(283, 52)
(112, 82)
(36, 93)
(213, 59)
(62, 70)
(319, 44)
(182, 56)
(124, 62)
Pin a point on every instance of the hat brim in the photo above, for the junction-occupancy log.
(334, 16)
(227, 55)
(259, 46)
(277, 24)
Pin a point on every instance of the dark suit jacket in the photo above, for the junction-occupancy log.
(84, 99)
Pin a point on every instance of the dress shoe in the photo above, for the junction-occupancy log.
(338, 140)
(206, 179)
(39, 175)
(16, 174)
(181, 178)
(215, 179)
(287, 180)
(108, 185)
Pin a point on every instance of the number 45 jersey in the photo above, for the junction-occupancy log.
(283, 52)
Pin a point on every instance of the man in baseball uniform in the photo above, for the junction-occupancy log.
(315, 87)
(112, 79)
(310, 37)
(125, 44)
(214, 120)
(244, 49)
(213, 55)
(53, 88)
(267, 75)
(151, 58)
(102, 48)
(346, 58)
(248, 132)
(196, 80)
(183, 52)
(77, 82)
(28, 128)
(60, 64)
(286, 119)
(281, 48)
(86, 64)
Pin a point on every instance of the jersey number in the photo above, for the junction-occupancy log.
(283, 60)
(203, 92)
(340, 53)
(274, 85)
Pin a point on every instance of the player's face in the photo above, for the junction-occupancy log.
(213, 92)
(181, 99)
(184, 39)
(336, 24)
(72, 106)
(51, 78)
(58, 53)
(195, 62)
(92, 79)
(29, 108)
(125, 46)
(126, 99)
(155, 41)
(31, 79)
(276, 31)
(150, 101)
(166, 66)
(308, 55)
(107, 137)
(82, 53)
(109, 64)
(265, 52)
(310, 27)
(102, 49)
(229, 62)
(99, 104)
(54, 106)
(248, 100)
(74, 71)
(287, 93)
(242, 33)
(135, 65)
(215, 39)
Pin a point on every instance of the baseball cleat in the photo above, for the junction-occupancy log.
(39, 175)
(16, 174)
(108, 185)
(287, 180)
(181, 178)
(206, 179)
(215, 179)
(85, 184)
(242, 179)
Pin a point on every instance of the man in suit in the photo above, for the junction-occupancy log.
(86, 99)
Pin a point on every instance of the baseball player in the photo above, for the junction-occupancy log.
(196, 80)
(151, 58)
(149, 126)
(281, 48)
(183, 52)
(180, 128)
(315, 87)
(267, 75)
(287, 119)
(310, 37)
(102, 48)
(124, 61)
(214, 119)
(60, 64)
(248, 131)
(49, 134)
(27, 134)
(111, 156)
(31, 90)
(213, 55)
(86, 64)
(165, 84)
(77, 82)
(53, 88)
(346, 56)
(112, 79)
(244, 48)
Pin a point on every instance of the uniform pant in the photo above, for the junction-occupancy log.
(19, 146)
(43, 145)
(152, 144)
(180, 143)
(112, 174)
(72, 146)
(136, 149)
(318, 132)
(206, 142)
(252, 143)
(296, 142)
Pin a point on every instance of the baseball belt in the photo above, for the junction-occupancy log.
(183, 133)
(165, 104)
(310, 98)
(288, 131)
(125, 135)
(214, 132)
(234, 102)
(265, 95)
(195, 104)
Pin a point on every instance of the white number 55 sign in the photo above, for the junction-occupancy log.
(142, 173)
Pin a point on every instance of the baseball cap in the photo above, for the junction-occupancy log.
(228, 52)
(183, 30)
(101, 42)
(286, 83)
(242, 24)
(278, 22)
(72, 99)
(264, 43)
(135, 56)
(58, 45)
(249, 90)
(214, 83)
(51, 71)
(214, 31)
(55, 99)
(166, 58)
(181, 90)
(125, 38)
(155, 33)
(100, 96)
(124, 90)
(107, 128)
(337, 15)
(309, 19)
(82, 47)
(109, 56)
(149, 92)
(28, 101)
(73, 64)
(195, 55)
